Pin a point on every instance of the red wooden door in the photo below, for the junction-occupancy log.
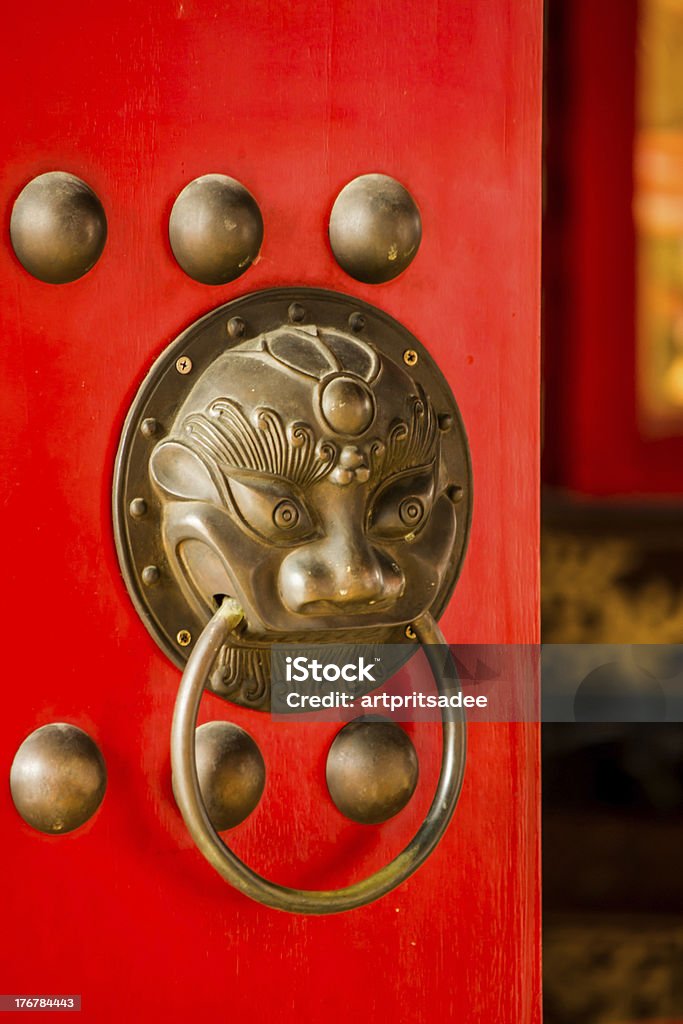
(293, 100)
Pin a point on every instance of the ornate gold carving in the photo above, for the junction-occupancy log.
(229, 439)
(301, 471)
(263, 444)
(410, 444)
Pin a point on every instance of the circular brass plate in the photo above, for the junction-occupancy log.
(136, 507)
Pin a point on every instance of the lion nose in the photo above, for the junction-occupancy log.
(344, 571)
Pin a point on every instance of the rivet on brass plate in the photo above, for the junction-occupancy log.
(138, 508)
(184, 365)
(357, 322)
(296, 313)
(150, 575)
(236, 327)
(231, 773)
(410, 357)
(372, 770)
(445, 421)
(215, 229)
(375, 228)
(58, 778)
(149, 427)
(184, 637)
(455, 493)
(58, 227)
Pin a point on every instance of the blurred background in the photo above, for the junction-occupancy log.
(612, 546)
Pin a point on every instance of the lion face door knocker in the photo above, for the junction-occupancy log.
(293, 469)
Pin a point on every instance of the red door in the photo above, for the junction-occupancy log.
(294, 101)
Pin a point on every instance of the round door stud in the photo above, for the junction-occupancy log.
(58, 228)
(231, 773)
(372, 770)
(375, 228)
(58, 778)
(215, 229)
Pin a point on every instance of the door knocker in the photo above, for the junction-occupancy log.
(293, 469)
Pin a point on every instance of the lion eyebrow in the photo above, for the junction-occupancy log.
(411, 444)
(225, 436)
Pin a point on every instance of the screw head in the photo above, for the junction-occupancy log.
(138, 508)
(183, 365)
(357, 322)
(236, 327)
(296, 312)
(184, 637)
(410, 357)
(410, 633)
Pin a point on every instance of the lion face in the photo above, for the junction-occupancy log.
(302, 477)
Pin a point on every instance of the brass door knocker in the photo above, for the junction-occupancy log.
(293, 465)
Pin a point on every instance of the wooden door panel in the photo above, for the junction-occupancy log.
(294, 101)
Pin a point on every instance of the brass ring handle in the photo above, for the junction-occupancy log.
(221, 857)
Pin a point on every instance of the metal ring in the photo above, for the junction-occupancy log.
(221, 857)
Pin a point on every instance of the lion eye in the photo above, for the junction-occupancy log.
(286, 515)
(402, 506)
(270, 507)
(411, 511)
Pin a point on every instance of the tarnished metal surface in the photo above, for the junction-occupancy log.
(303, 469)
(231, 773)
(58, 227)
(375, 228)
(215, 229)
(372, 769)
(58, 778)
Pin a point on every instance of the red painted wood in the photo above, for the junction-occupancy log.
(293, 100)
